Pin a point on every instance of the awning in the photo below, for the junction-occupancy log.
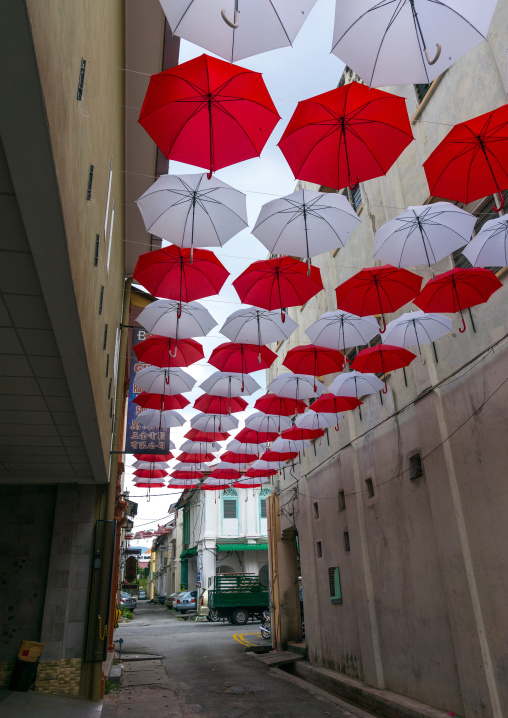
(189, 552)
(242, 547)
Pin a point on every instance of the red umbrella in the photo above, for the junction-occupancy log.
(458, 289)
(212, 436)
(278, 456)
(209, 113)
(376, 290)
(331, 404)
(233, 458)
(382, 358)
(279, 405)
(259, 473)
(277, 283)
(241, 358)
(174, 273)
(190, 475)
(158, 401)
(314, 360)
(210, 404)
(187, 458)
(345, 136)
(164, 352)
(296, 434)
(249, 436)
(472, 160)
(246, 485)
(153, 457)
(226, 474)
(150, 473)
(150, 484)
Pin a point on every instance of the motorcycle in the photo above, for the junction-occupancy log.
(265, 627)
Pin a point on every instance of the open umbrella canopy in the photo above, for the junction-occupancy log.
(164, 381)
(259, 473)
(263, 465)
(182, 466)
(184, 480)
(250, 483)
(155, 484)
(306, 223)
(153, 457)
(250, 436)
(381, 359)
(164, 352)
(182, 274)
(277, 456)
(208, 113)
(300, 434)
(378, 290)
(150, 465)
(417, 328)
(399, 43)
(259, 421)
(277, 283)
(214, 422)
(244, 447)
(206, 436)
(458, 289)
(186, 458)
(150, 473)
(489, 248)
(191, 211)
(241, 358)
(296, 386)
(210, 404)
(423, 235)
(285, 446)
(212, 483)
(160, 419)
(341, 330)
(225, 474)
(346, 136)
(355, 384)
(229, 384)
(279, 405)
(160, 402)
(235, 29)
(316, 420)
(314, 360)
(239, 457)
(236, 465)
(199, 447)
(472, 160)
(169, 318)
(253, 325)
(331, 404)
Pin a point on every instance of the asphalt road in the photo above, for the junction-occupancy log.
(206, 671)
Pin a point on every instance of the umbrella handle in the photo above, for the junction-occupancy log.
(462, 329)
(234, 24)
(385, 390)
(282, 316)
(336, 428)
(436, 57)
(383, 330)
(501, 206)
(352, 187)
(209, 175)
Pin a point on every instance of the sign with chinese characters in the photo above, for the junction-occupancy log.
(141, 439)
(131, 567)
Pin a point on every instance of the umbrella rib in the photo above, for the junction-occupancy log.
(383, 3)
(281, 23)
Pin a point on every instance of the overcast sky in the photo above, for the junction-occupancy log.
(291, 74)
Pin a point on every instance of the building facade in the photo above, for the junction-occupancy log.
(399, 519)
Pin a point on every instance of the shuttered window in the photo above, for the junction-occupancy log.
(229, 508)
(263, 508)
(334, 583)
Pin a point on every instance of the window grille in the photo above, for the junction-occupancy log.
(101, 300)
(229, 508)
(96, 255)
(81, 80)
(421, 90)
(90, 180)
(263, 508)
(347, 545)
(334, 584)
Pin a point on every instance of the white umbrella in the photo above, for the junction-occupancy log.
(261, 465)
(489, 248)
(355, 384)
(165, 318)
(245, 482)
(238, 447)
(423, 235)
(189, 483)
(229, 384)
(235, 29)
(284, 446)
(341, 330)
(267, 422)
(160, 419)
(164, 381)
(391, 43)
(296, 386)
(181, 466)
(191, 211)
(257, 326)
(416, 328)
(200, 447)
(316, 420)
(240, 466)
(214, 422)
(150, 465)
(306, 223)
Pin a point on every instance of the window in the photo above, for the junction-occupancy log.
(90, 180)
(96, 255)
(415, 467)
(334, 583)
(262, 508)
(342, 501)
(347, 546)
(319, 549)
(101, 300)
(105, 342)
(316, 510)
(81, 80)
(421, 91)
(370, 488)
(355, 197)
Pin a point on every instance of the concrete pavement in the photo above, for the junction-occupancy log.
(206, 671)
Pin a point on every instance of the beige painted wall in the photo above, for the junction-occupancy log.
(85, 133)
(425, 582)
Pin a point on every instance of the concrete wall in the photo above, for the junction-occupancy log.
(424, 583)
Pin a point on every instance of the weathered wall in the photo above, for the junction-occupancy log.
(425, 580)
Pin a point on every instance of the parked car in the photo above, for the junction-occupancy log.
(142, 595)
(127, 601)
(204, 610)
(171, 599)
(186, 601)
(161, 599)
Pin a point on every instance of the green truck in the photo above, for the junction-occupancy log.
(238, 597)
